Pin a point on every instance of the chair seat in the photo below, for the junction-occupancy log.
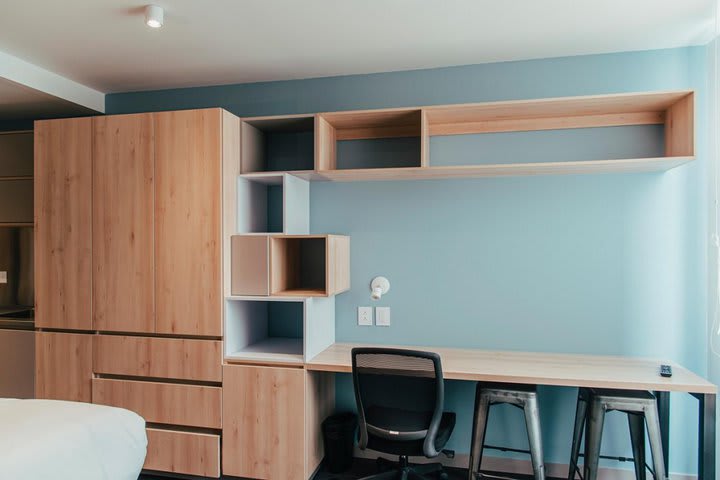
(405, 421)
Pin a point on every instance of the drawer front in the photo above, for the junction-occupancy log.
(168, 403)
(158, 357)
(183, 452)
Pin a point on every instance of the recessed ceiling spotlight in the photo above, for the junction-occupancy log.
(154, 16)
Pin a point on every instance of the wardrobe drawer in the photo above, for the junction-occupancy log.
(187, 453)
(169, 403)
(158, 357)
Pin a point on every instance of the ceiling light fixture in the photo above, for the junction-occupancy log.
(154, 16)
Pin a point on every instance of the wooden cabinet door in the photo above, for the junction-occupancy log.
(188, 163)
(264, 422)
(63, 223)
(123, 213)
(63, 366)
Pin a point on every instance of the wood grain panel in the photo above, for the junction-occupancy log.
(338, 264)
(63, 366)
(123, 271)
(188, 280)
(325, 144)
(250, 265)
(183, 359)
(168, 403)
(264, 422)
(185, 453)
(680, 127)
(63, 223)
(566, 370)
(319, 404)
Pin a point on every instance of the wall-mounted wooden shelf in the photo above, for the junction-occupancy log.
(673, 110)
(280, 143)
(290, 265)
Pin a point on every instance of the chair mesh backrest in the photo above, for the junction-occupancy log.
(397, 378)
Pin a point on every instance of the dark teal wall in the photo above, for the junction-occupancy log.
(604, 264)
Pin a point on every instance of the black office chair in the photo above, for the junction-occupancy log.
(400, 395)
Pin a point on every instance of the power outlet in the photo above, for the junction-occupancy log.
(3, 277)
(365, 316)
(383, 316)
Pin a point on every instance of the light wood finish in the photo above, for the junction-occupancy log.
(63, 366)
(183, 359)
(264, 422)
(63, 223)
(674, 109)
(319, 404)
(597, 106)
(230, 171)
(656, 164)
(188, 257)
(187, 453)
(680, 127)
(565, 370)
(325, 145)
(286, 263)
(547, 123)
(167, 403)
(337, 264)
(252, 149)
(122, 204)
(368, 124)
(250, 265)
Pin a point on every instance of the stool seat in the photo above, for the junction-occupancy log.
(518, 395)
(641, 409)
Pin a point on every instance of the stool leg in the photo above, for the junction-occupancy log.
(637, 438)
(580, 414)
(593, 439)
(532, 422)
(653, 426)
(482, 407)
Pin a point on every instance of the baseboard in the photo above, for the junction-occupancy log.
(513, 466)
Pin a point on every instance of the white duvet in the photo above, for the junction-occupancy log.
(55, 440)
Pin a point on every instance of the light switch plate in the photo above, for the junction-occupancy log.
(383, 316)
(3, 277)
(365, 316)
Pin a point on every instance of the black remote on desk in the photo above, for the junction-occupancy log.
(665, 371)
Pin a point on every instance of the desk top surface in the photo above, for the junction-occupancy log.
(567, 370)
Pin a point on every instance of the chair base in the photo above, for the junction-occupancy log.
(402, 470)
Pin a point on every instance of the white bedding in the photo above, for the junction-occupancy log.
(55, 440)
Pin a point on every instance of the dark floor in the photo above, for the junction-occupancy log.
(364, 467)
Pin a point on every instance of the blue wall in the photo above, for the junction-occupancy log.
(606, 264)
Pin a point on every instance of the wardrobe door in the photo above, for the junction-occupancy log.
(188, 163)
(63, 366)
(123, 216)
(63, 223)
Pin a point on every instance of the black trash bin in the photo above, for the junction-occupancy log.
(339, 440)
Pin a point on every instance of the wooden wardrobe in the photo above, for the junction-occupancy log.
(128, 248)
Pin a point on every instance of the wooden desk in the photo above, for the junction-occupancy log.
(566, 370)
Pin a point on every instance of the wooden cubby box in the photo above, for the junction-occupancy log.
(273, 203)
(288, 330)
(277, 144)
(351, 142)
(290, 265)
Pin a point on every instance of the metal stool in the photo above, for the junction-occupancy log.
(640, 407)
(521, 396)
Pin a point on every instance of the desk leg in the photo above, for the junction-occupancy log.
(706, 430)
(663, 406)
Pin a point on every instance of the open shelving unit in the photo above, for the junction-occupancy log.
(277, 144)
(16, 178)
(671, 110)
(288, 330)
(290, 265)
(273, 203)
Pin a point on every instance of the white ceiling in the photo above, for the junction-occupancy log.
(105, 45)
(18, 102)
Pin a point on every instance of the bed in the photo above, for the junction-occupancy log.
(51, 439)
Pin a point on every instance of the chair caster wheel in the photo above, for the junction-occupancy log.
(443, 476)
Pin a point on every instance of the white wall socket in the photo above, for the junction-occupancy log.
(3, 277)
(365, 316)
(383, 316)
